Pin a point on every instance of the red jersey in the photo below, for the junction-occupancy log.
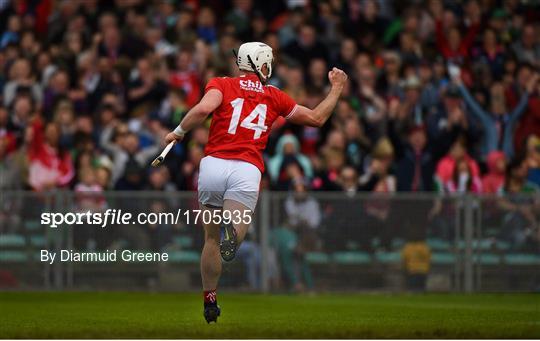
(241, 124)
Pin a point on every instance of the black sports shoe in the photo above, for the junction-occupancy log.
(211, 313)
(229, 243)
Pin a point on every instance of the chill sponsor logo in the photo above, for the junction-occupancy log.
(249, 85)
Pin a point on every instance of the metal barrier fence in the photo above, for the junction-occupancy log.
(298, 241)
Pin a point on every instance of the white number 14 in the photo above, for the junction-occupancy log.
(248, 122)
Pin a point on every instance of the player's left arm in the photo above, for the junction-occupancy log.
(318, 116)
(197, 115)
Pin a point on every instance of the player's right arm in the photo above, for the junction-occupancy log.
(197, 115)
(319, 115)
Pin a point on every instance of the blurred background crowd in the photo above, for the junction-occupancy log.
(443, 97)
(88, 89)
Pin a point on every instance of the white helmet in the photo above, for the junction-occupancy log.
(252, 56)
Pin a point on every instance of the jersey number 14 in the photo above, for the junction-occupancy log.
(258, 114)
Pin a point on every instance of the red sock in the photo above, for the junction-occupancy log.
(210, 296)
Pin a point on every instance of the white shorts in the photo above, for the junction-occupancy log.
(221, 179)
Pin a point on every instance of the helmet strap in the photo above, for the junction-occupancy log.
(235, 56)
(259, 74)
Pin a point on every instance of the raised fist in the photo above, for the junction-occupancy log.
(337, 77)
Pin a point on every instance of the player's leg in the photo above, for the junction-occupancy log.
(210, 256)
(211, 187)
(235, 229)
(240, 200)
(210, 268)
(241, 217)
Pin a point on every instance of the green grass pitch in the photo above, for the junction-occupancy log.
(146, 315)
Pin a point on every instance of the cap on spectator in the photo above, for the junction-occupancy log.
(383, 149)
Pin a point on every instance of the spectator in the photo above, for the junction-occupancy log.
(161, 46)
(430, 95)
(21, 81)
(11, 168)
(462, 180)
(521, 211)
(450, 42)
(125, 149)
(317, 75)
(347, 53)
(348, 180)
(378, 179)
(56, 89)
(12, 34)
(158, 180)
(206, 25)
(516, 178)
(50, 164)
(306, 47)
(491, 53)
(415, 163)
(89, 197)
(410, 108)
(499, 124)
(528, 48)
(160, 232)
(450, 121)
(294, 83)
(533, 159)
(103, 176)
(416, 256)
(357, 144)
(6, 133)
(493, 181)
(190, 167)
(447, 166)
(302, 211)
(369, 25)
(238, 16)
(64, 116)
(88, 192)
(250, 254)
(288, 154)
(146, 86)
(372, 105)
(185, 77)
(530, 121)
(172, 109)
(20, 114)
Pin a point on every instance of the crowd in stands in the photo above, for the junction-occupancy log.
(442, 94)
